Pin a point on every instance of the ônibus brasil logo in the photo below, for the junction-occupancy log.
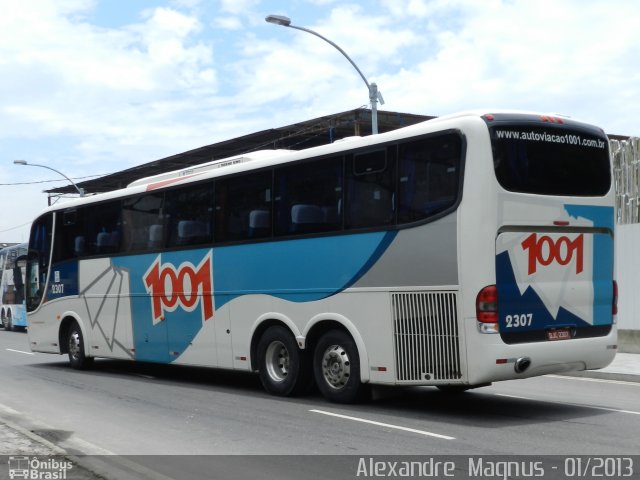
(185, 287)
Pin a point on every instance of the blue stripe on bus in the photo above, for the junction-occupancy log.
(300, 270)
(296, 270)
(602, 217)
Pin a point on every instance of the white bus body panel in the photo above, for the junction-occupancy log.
(413, 317)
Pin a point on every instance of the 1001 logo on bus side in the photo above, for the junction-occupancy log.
(186, 287)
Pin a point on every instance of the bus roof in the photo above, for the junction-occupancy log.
(209, 166)
(264, 158)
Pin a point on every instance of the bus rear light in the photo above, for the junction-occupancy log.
(614, 306)
(546, 118)
(489, 117)
(487, 309)
(487, 305)
(488, 317)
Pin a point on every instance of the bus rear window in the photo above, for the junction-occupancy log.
(551, 161)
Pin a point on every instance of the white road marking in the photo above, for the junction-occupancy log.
(595, 407)
(19, 351)
(597, 380)
(386, 425)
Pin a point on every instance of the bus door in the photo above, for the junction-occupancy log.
(38, 257)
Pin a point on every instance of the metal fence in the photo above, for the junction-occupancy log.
(626, 174)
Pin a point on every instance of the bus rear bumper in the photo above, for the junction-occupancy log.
(492, 360)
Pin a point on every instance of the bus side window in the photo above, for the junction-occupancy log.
(370, 189)
(429, 173)
(190, 214)
(102, 233)
(237, 198)
(70, 225)
(140, 215)
(308, 197)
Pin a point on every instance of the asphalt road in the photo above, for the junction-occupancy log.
(141, 409)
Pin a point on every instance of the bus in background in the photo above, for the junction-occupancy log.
(454, 253)
(12, 267)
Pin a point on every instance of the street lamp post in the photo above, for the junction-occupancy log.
(374, 93)
(24, 162)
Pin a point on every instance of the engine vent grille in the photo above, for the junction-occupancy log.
(426, 340)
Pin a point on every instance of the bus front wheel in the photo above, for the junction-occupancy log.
(336, 367)
(284, 368)
(8, 322)
(75, 345)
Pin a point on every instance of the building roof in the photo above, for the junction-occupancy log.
(307, 134)
(297, 136)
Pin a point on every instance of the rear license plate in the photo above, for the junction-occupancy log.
(559, 334)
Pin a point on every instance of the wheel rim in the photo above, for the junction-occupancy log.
(336, 366)
(277, 361)
(74, 345)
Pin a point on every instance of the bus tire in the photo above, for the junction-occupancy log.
(336, 367)
(284, 368)
(8, 322)
(75, 348)
(453, 389)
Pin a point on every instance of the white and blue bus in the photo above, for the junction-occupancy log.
(13, 313)
(456, 252)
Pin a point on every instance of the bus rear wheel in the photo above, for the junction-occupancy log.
(453, 389)
(75, 348)
(284, 368)
(336, 367)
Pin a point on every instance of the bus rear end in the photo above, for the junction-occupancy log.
(551, 305)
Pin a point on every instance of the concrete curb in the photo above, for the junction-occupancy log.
(624, 368)
(37, 444)
(629, 341)
(18, 438)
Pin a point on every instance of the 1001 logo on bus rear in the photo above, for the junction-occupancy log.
(545, 250)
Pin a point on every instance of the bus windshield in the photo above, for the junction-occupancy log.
(550, 160)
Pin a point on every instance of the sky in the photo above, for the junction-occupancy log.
(91, 87)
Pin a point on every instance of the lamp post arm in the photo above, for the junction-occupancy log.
(374, 93)
(80, 190)
(337, 47)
